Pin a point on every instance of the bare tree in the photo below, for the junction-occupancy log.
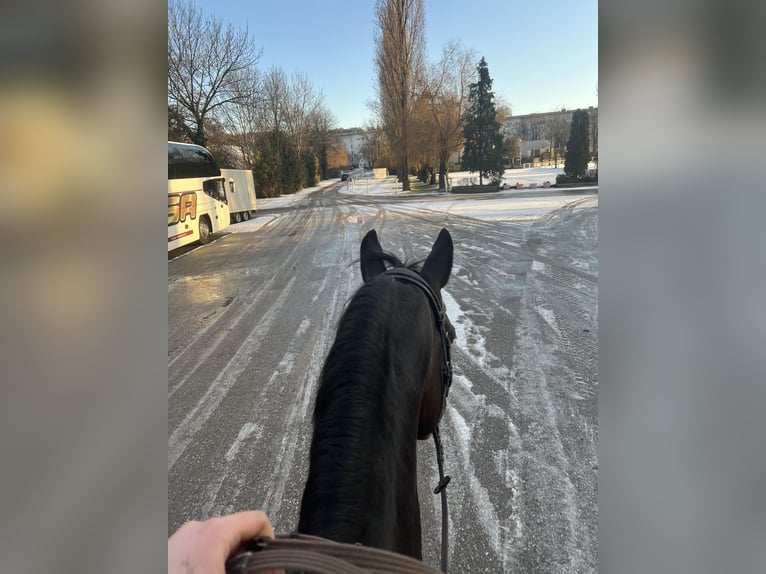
(425, 154)
(399, 58)
(503, 111)
(446, 91)
(557, 132)
(531, 129)
(321, 139)
(371, 148)
(204, 56)
(178, 131)
(275, 95)
(303, 103)
(242, 118)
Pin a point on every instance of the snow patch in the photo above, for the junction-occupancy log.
(245, 432)
(462, 381)
(467, 335)
(303, 327)
(255, 224)
(549, 317)
(500, 537)
(463, 433)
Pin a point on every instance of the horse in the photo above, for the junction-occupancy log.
(383, 385)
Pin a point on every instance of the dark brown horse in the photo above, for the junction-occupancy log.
(383, 386)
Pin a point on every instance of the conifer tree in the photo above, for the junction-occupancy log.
(577, 148)
(483, 140)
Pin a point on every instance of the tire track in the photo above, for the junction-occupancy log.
(196, 418)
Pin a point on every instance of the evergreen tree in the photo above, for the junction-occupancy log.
(483, 140)
(577, 148)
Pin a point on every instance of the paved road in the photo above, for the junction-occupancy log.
(251, 318)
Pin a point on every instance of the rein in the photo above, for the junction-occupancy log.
(406, 275)
(320, 556)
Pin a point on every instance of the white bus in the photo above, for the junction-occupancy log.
(197, 204)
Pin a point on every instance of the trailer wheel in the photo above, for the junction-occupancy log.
(237, 217)
(246, 215)
(204, 230)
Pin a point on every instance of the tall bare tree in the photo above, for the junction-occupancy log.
(446, 91)
(203, 58)
(399, 58)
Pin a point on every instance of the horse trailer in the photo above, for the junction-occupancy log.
(240, 191)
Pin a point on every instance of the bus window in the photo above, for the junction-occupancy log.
(190, 161)
(215, 189)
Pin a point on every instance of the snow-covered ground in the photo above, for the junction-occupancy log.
(389, 185)
(504, 205)
(293, 198)
(491, 209)
(262, 220)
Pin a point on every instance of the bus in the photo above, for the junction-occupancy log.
(197, 204)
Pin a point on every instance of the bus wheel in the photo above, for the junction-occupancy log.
(204, 230)
(246, 216)
(237, 217)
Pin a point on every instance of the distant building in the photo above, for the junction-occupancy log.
(532, 130)
(354, 141)
(534, 148)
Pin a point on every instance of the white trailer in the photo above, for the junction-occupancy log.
(240, 191)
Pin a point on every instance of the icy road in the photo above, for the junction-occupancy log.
(251, 319)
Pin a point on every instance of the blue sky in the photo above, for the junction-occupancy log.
(541, 56)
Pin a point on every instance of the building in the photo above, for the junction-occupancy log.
(535, 131)
(354, 142)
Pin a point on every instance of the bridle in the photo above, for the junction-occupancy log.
(406, 275)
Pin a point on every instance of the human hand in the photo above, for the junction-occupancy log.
(204, 547)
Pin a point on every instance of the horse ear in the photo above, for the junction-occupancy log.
(370, 251)
(438, 265)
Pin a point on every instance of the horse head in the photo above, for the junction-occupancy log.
(434, 273)
(383, 384)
